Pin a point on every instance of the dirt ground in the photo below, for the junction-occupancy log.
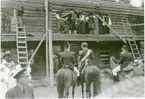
(51, 92)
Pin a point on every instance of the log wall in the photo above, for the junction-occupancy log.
(34, 14)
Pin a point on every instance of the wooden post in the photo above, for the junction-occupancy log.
(46, 27)
(50, 47)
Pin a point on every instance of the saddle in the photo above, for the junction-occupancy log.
(128, 68)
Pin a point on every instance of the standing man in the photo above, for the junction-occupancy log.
(125, 59)
(21, 90)
(84, 55)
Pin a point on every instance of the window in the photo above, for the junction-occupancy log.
(104, 57)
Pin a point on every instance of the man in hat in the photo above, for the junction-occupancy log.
(67, 59)
(125, 59)
(21, 90)
(7, 56)
(84, 55)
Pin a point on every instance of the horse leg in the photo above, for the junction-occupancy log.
(82, 89)
(60, 91)
(73, 90)
(66, 92)
(96, 86)
(88, 91)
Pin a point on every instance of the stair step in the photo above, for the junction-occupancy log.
(23, 62)
(22, 57)
(105, 59)
(21, 42)
(21, 37)
(104, 55)
(22, 47)
(22, 52)
(21, 27)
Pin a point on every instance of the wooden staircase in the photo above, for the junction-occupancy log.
(22, 53)
(131, 40)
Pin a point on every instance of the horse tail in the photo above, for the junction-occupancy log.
(97, 83)
(60, 84)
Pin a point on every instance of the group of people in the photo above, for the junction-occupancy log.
(67, 59)
(19, 87)
(79, 22)
(75, 22)
(14, 79)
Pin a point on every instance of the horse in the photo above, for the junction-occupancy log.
(134, 68)
(65, 78)
(91, 74)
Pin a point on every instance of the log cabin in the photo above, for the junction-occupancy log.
(103, 43)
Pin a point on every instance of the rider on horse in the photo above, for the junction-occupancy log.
(84, 55)
(126, 58)
(68, 60)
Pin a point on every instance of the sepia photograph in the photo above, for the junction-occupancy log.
(71, 49)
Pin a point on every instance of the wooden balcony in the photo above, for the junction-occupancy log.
(71, 37)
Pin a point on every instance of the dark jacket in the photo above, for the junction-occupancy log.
(67, 59)
(126, 58)
(17, 93)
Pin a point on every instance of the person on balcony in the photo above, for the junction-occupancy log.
(91, 23)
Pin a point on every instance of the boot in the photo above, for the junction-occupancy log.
(78, 80)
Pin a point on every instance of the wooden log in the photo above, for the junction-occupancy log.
(50, 45)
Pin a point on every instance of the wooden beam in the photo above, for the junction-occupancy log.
(46, 43)
(111, 28)
(50, 46)
(36, 49)
(72, 37)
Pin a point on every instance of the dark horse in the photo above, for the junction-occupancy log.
(65, 78)
(91, 75)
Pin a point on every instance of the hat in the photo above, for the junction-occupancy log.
(8, 52)
(18, 71)
(125, 47)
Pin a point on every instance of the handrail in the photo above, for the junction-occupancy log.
(111, 28)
